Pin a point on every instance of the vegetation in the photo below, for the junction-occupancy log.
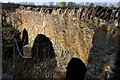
(118, 4)
(9, 33)
(91, 5)
(62, 4)
(72, 4)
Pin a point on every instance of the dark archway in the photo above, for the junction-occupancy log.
(44, 56)
(42, 48)
(76, 69)
(25, 37)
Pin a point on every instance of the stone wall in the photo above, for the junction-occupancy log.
(75, 33)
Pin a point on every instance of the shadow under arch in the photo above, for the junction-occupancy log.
(43, 55)
(42, 48)
(25, 37)
(76, 69)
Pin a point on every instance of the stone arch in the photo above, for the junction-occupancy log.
(76, 69)
(42, 48)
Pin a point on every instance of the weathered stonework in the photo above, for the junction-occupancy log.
(93, 40)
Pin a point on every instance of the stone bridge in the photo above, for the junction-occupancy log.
(90, 34)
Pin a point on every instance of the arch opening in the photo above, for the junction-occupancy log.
(25, 37)
(76, 69)
(42, 48)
